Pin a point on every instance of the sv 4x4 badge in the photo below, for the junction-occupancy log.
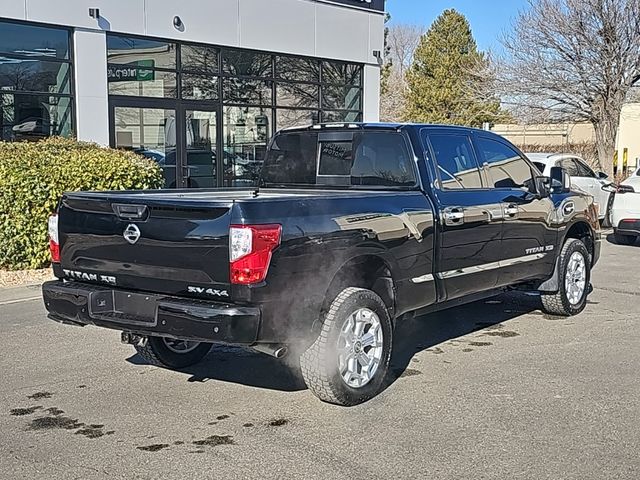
(208, 291)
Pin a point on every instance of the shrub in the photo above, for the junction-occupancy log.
(33, 177)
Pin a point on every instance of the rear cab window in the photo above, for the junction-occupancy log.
(340, 158)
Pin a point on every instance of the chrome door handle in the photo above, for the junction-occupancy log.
(453, 216)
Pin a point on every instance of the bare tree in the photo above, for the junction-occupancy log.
(572, 60)
(402, 40)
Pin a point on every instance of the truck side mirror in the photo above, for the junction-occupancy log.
(560, 180)
(543, 186)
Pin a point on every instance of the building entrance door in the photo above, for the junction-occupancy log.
(180, 137)
(200, 159)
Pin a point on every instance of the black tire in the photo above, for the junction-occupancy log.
(156, 352)
(319, 362)
(624, 239)
(558, 303)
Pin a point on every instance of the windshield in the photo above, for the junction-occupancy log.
(339, 158)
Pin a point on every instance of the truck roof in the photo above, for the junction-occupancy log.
(381, 126)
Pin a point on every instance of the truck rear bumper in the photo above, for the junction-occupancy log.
(152, 315)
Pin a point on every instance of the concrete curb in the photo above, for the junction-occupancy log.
(21, 293)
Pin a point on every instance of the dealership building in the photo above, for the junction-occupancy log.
(199, 86)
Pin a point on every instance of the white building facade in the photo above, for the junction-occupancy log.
(199, 86)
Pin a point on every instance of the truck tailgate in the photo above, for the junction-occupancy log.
(177, 245)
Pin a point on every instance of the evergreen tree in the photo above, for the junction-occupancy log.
(443, 80)
(387, 65)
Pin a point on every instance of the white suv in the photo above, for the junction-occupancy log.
(582, 176)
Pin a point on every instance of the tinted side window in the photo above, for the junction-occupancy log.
(570, 166)
(382, 159)
(507, 169)
(456, 163)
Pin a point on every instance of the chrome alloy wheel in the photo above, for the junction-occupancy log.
(360, 345)
(575, 280)
(180, 346)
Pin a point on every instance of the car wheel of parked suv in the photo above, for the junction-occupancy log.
(348, 362)
(172, 353)
(624, 239)
(574, 281)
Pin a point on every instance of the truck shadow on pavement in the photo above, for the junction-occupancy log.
(247, 367)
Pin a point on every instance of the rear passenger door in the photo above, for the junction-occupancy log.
(528, 238)
(470, 213)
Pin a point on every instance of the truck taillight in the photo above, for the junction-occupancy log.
(54, 241)
(250, 248)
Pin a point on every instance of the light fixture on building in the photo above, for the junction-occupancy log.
(378, 56)
(94, 13)
(177, 23)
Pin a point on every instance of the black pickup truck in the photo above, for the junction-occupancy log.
(353, 228)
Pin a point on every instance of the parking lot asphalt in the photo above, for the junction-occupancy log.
(494, 389)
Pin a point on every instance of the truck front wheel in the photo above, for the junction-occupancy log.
(574, 281)
(348, 362)
(172, 353)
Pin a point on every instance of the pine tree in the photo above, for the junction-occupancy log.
(441, 79)
(387, 65)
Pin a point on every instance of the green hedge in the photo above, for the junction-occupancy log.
(33, 176)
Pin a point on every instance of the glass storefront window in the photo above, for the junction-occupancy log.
(298, 95)
(243, 63)
(34, 41)
(286, 118)
(29, 117)
(341, 97)
(199, 59)
(247, 95)
(151, 53)
(199, 87)
(298, 69)
(253, 92)
(150, 132)
(35, 82)
(246, 134)
(339, 73)
(336, 117)
(142, 83)
(34, 75)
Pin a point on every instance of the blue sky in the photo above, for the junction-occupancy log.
(488, 18)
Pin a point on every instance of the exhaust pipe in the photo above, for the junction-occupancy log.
(275, 350)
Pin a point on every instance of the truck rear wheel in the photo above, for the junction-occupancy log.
(348, 362)
(172, 353)
(574, 278)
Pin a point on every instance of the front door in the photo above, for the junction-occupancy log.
(199, 160)
(151, 131)
(180, 137)
(529, 238)
(469, 249)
